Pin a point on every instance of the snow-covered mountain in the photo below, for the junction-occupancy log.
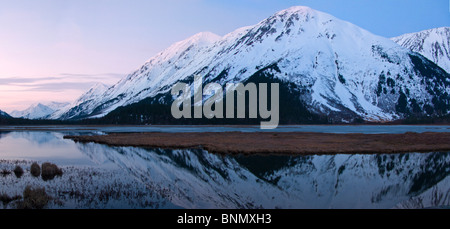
(332, 67)
(56, 105)
(39, 110)
(84, 100)
(4, 114)
(434, 44)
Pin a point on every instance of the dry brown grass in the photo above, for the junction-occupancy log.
(34, 198)
(49, 171)
(280, 143)
(5, 172)
(35, 170)
(18, 171)
(5, 199)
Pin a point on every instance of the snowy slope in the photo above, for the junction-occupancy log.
(4, 114)
(91, 95)
(434, 44)
(39, 110)
(341, 68)
(56, 105)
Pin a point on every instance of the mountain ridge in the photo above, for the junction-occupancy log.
(94, 91)
(4, 114)
(434, 44)
(339, 69)
(39, 110)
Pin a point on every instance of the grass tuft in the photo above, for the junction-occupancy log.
(34, 198)
(18, 171)
(49, 171)
(35, 169)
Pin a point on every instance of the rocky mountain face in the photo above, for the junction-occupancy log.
(326, 67)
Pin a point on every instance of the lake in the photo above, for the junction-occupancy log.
(100, 176)
(341, 129)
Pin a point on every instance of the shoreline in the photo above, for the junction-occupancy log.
(279, 143)
(144, 128)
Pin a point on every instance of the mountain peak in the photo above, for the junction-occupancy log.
(96, 89)
(39, 110)
(303, 13)
(205, 36)
(99, 86)
(434, 44)
(199, 39)
(297, 9)
(441, 30)
(4, 114)
(337, 68)
(301, 18)
(429, 32)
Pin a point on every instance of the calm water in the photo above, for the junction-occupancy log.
(198, 179)
(366, 129)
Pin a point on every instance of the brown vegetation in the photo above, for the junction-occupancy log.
(34, 198)
(49, 171)
(18, 171)
(5, 172)
(35, 170)
(280, 142)
(5, 199)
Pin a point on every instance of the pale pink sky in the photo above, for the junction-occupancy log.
(53, 50)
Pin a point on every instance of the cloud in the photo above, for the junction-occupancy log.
(58, 87)
(17, 93)
(69, 80)
(106, 76)
(19, 80)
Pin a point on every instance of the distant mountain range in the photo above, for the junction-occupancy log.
(39, 110)
(329, 71)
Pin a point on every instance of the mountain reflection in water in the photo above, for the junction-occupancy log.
(194, 178)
